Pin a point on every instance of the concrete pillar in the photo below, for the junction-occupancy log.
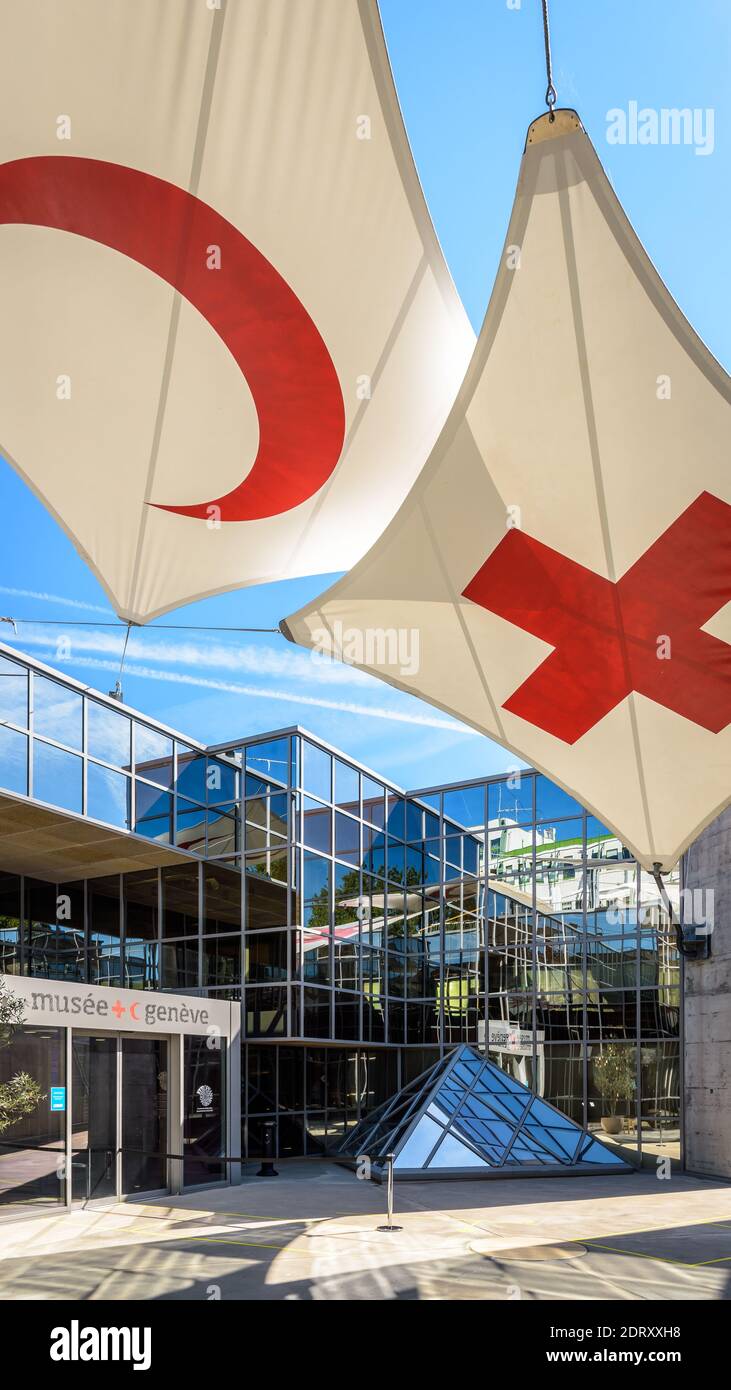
(707, 1012)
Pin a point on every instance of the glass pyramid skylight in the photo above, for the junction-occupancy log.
(467, 1116)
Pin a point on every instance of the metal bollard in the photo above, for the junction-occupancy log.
(267, 1169)
(389, 1196)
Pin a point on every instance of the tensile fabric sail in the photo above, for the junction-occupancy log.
(230, 338)
(564, 558)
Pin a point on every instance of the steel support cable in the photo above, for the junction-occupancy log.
(551, 93)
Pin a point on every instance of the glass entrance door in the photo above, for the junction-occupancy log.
(119, 1115)
(144, 1114)
(94, 1116)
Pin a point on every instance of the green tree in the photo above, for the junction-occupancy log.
(21, 1095)
(615, 1072)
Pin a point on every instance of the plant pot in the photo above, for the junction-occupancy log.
(612, 1124)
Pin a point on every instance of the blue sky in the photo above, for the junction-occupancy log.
(470, 77)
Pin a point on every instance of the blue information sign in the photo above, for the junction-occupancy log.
(58, 1097)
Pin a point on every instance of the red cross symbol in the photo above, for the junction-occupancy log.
(606, 637)
(118, 1008)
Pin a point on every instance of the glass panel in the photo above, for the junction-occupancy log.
(105, 953)
(204, 1121)
(602, 843)
(373, 802)
(144, 1114)
(266, 902)
(347, 788)
(153, 812)
(221, 781)
(257, 809)
(266, 957)
(347, 1015)
(316, 771)
(414, 821)
(316, 825)
(611, 898)
(57, 776)
(13, 693)
(552, 801)
(223, 831)
(419, 1145)
(10, 931)
(261, 1081)
(660, 1091)
(396, 815)
(108, 734)
(347, 838)
(266, 1011)
(13, 760)
(179, 965)
(374, 851)
(31, 1155)
(316, 1013)
(558, 847)
(153, 755)
(141, 910)
(55, 929)
(317, 883)
(57, 712)
(452, 1153)
(191, 774)
(94, 1117)
(510, 800)
(511, 855)
(270, 759)
(221, 900)
(190, 826)
(107, 795)
(613, 1092)
(279, 814)
(466, 806)
(222, 961)
(396, 862)
(180, 900)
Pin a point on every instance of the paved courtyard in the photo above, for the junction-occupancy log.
(312, 1234)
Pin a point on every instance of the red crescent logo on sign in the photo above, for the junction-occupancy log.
(248, 304)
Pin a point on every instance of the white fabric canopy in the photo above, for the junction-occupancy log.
(565, 556)
(230, 339)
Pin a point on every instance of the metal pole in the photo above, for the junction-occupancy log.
(267, 1169)
(389, 1196)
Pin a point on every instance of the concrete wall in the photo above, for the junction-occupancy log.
(707, 1012)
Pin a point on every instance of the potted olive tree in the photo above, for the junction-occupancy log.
(21, 1095)
(615, 1072)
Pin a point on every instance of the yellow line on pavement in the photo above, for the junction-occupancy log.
(250, 1244)
(662, 1259)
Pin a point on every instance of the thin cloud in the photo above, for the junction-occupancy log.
(248, 658)
(262, 693)
(55, 599)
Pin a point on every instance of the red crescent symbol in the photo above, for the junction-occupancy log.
(247, 302)
(132, 1013)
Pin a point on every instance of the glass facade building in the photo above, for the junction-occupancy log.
(366, 930)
